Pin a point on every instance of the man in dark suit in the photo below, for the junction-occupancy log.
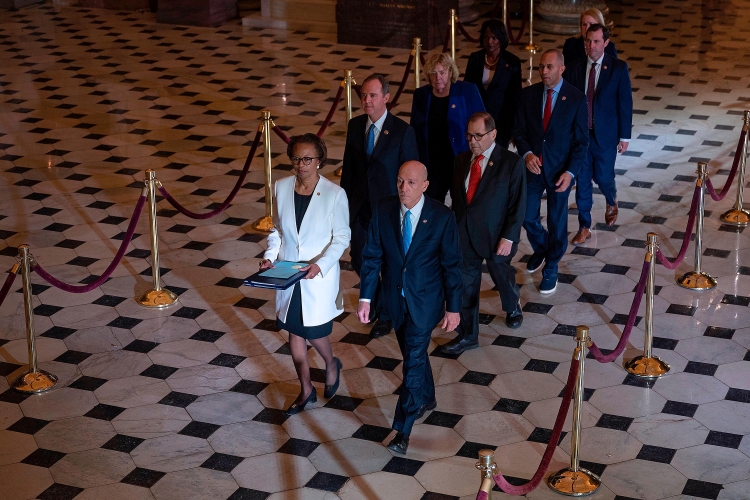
(377, 144)
(489, 200)
(413, 242)
(550, 133)
(606, 82)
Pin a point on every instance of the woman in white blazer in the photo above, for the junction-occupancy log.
(311, 218)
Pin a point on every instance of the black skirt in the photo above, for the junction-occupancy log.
(294, 323)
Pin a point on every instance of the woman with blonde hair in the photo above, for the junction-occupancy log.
(439, 115)
(574, 51)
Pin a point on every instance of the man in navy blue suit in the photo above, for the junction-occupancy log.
(551, 135)
(377, 144)
(413, 241)
(606, 82)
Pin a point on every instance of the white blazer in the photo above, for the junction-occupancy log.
(323, 236)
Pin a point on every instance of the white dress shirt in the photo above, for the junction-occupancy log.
(378, 126)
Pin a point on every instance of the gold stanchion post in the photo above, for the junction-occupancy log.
(738, 216)
(697, 279)
(453, 33)
(265, 223)
(505, 16)
(34, 380)
(531, 47)
(648, 366)
(576, 481)
(157, 297)
(417, 63)
(488, 467)
(348, 83)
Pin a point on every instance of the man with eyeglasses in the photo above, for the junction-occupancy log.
(551, 134)
(377, 144)
(489, 200)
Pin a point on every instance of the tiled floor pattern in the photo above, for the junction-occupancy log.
(186, 403)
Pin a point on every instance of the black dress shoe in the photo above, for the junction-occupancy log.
(515, 318)
(297, 408)
(457, 346)
(399, 444)
(330, 390)
(381, 328)
(425, 408)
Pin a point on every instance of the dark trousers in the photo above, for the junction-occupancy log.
(553, 241)
(418, 386)
(359, 227)
(503, 274)
(599, 167)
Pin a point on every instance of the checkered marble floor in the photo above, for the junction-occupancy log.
(187, 403)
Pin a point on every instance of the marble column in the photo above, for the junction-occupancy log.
(318, 16)
(561, 16)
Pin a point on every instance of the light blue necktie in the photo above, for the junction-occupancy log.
(406, 236)
(370, 140)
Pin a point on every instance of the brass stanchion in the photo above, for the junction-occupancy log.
(348, 83)
(157, 297)
(738, 216)
(505, 16)
(531, 47)
(488, 467)
(416, 51)
(453, 34)
(576, 481)
(34, 380)
(648, 365)
(698, 279)
(265, 223)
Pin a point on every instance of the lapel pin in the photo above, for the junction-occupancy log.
(453, 106)
(506, 65)
(491, 164)
(605, 67)
(318, 193)
(385, 132)
(563, 98)
(424, 221)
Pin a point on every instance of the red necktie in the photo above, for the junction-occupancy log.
(590, 90)
(547, 113)
(474, 177)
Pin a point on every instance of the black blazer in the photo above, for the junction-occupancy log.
(613, 100)
(501, 96)
(574, 51)
(430, 274)
(499, 204)
(564, 144)
(370, 180)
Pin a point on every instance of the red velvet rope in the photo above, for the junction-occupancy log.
(447, 41)
(549, 451)
(108, 272)
(6, 287)
(281, 134)
(673, 263)
(466, 33)
(402, 86)
(422, 58)
(327, 121)
(737, 157)
(223, 206)
(606, 358)
(482, 495)
(358, 90)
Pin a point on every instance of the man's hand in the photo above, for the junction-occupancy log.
(504, 247)
(363, 312)
(622, 146)
(533, 164)
(312, 271)
(563, 183)
(450, 321)
(265, 264)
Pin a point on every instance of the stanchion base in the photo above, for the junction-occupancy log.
(574, 484)
(697, 281)
(644, 367)
(34, 382)
(532, 47)
(157, 299)
(264, 224)
(338, 171)
(736, 217)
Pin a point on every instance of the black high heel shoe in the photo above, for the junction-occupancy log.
(330, 390)
(298, 407)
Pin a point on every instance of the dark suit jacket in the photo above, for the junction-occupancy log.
(430, 274)
(370, 180)
(613, 100)
(564, 144)
(499, 204)
(463, 101)
(574, 51)
(501, 96)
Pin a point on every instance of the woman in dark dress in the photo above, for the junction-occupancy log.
(497, 74)
(311, 219)
(573, 51)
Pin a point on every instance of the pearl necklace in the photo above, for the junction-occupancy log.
(489, 63)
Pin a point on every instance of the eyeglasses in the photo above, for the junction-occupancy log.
(476, 137)
(305, 160)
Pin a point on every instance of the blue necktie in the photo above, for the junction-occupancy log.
(370, 140)
(406, 236)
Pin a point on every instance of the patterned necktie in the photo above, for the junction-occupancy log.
(590, 90)
(474, 177)
(547, 114)
(370, 141)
